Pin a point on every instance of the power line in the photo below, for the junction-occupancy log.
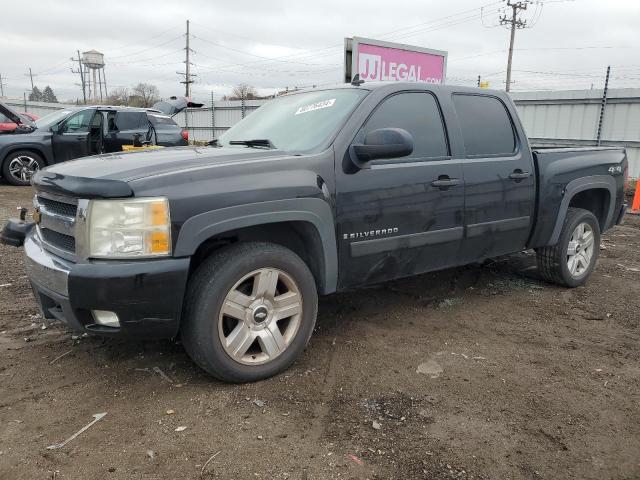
(149, 48)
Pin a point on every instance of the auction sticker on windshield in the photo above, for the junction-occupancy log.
(316, 106)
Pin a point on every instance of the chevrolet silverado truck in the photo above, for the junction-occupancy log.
(320, 191)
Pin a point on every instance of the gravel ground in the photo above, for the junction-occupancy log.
(482, 372)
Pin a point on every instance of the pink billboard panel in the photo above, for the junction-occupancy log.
(382, 61)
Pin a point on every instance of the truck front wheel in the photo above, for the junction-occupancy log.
(249, 312)
(570, 262)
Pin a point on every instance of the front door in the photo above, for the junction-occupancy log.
(499, 179)
(405, 215)
(72, 138)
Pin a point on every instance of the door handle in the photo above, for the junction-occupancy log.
(80, 138)
(444, 182)
(519, 175)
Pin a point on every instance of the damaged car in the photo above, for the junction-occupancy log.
(83, 131)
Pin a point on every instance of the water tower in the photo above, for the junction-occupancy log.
(93, 65)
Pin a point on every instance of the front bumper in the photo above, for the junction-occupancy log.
(146, 294)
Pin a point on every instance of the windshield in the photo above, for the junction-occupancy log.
(298, 122)
(52, 118)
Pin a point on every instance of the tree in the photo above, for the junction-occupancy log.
(243, 91)
(36, 95)
(48, 95)
(144, 95)
(118, 96)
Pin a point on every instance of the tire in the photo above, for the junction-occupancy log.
(18, 167)
(555, 262)
(233, 277)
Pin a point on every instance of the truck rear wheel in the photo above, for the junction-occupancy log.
(249, 312)
(570, 262)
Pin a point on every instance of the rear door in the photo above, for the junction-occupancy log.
(123, 127)
(499, 178)
(401, 216)
(72, 138)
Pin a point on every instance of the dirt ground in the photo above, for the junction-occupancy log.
(482, 372)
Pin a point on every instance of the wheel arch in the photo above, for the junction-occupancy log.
(595, 193)
(306, 226)
(29, 147)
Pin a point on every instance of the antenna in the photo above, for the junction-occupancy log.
(356, 80)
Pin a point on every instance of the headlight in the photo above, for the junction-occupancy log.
(137, 227)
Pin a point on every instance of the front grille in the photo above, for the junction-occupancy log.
(59, 240)
(57, 223)
(57, 207)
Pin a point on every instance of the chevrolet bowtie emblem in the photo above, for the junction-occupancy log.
(36, 216)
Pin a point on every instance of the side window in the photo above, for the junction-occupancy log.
(418, 114)
(4, 119)
(128, 120)
(79, 122)
(485, 124)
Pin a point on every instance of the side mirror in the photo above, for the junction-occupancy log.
(383, 143)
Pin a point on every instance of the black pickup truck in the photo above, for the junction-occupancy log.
(316, 192)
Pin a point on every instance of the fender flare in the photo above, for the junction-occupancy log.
(578, 185)
(199, 228)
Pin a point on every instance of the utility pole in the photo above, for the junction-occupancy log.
(81, 72)
(213, 118)
(187, 82)
(188, 76)
(478, 81)
(1, 86)
(603, 106)
(515, 23)
(31, 76)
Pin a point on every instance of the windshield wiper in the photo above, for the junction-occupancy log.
(254, 143)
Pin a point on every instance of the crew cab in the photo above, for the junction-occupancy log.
(75, 132)
(316, 192)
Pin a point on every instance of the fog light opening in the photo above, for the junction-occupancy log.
(106, 318)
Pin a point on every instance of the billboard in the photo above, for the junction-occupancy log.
(376, 60)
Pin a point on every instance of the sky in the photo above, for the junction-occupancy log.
(285, 43)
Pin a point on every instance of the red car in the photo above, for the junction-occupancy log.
(7, 125)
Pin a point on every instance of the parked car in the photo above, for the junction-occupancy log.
(83, 131)
(7, 125)
(316, 192)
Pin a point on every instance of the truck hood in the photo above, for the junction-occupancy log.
(23, 126)
(10, 114)
(108, 176)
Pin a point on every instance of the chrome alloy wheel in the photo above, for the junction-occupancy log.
(260, 316)
(23, 167)
(580, 250)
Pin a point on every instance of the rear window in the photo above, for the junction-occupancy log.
(128, 120)
(486, 126)
(161, 120)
